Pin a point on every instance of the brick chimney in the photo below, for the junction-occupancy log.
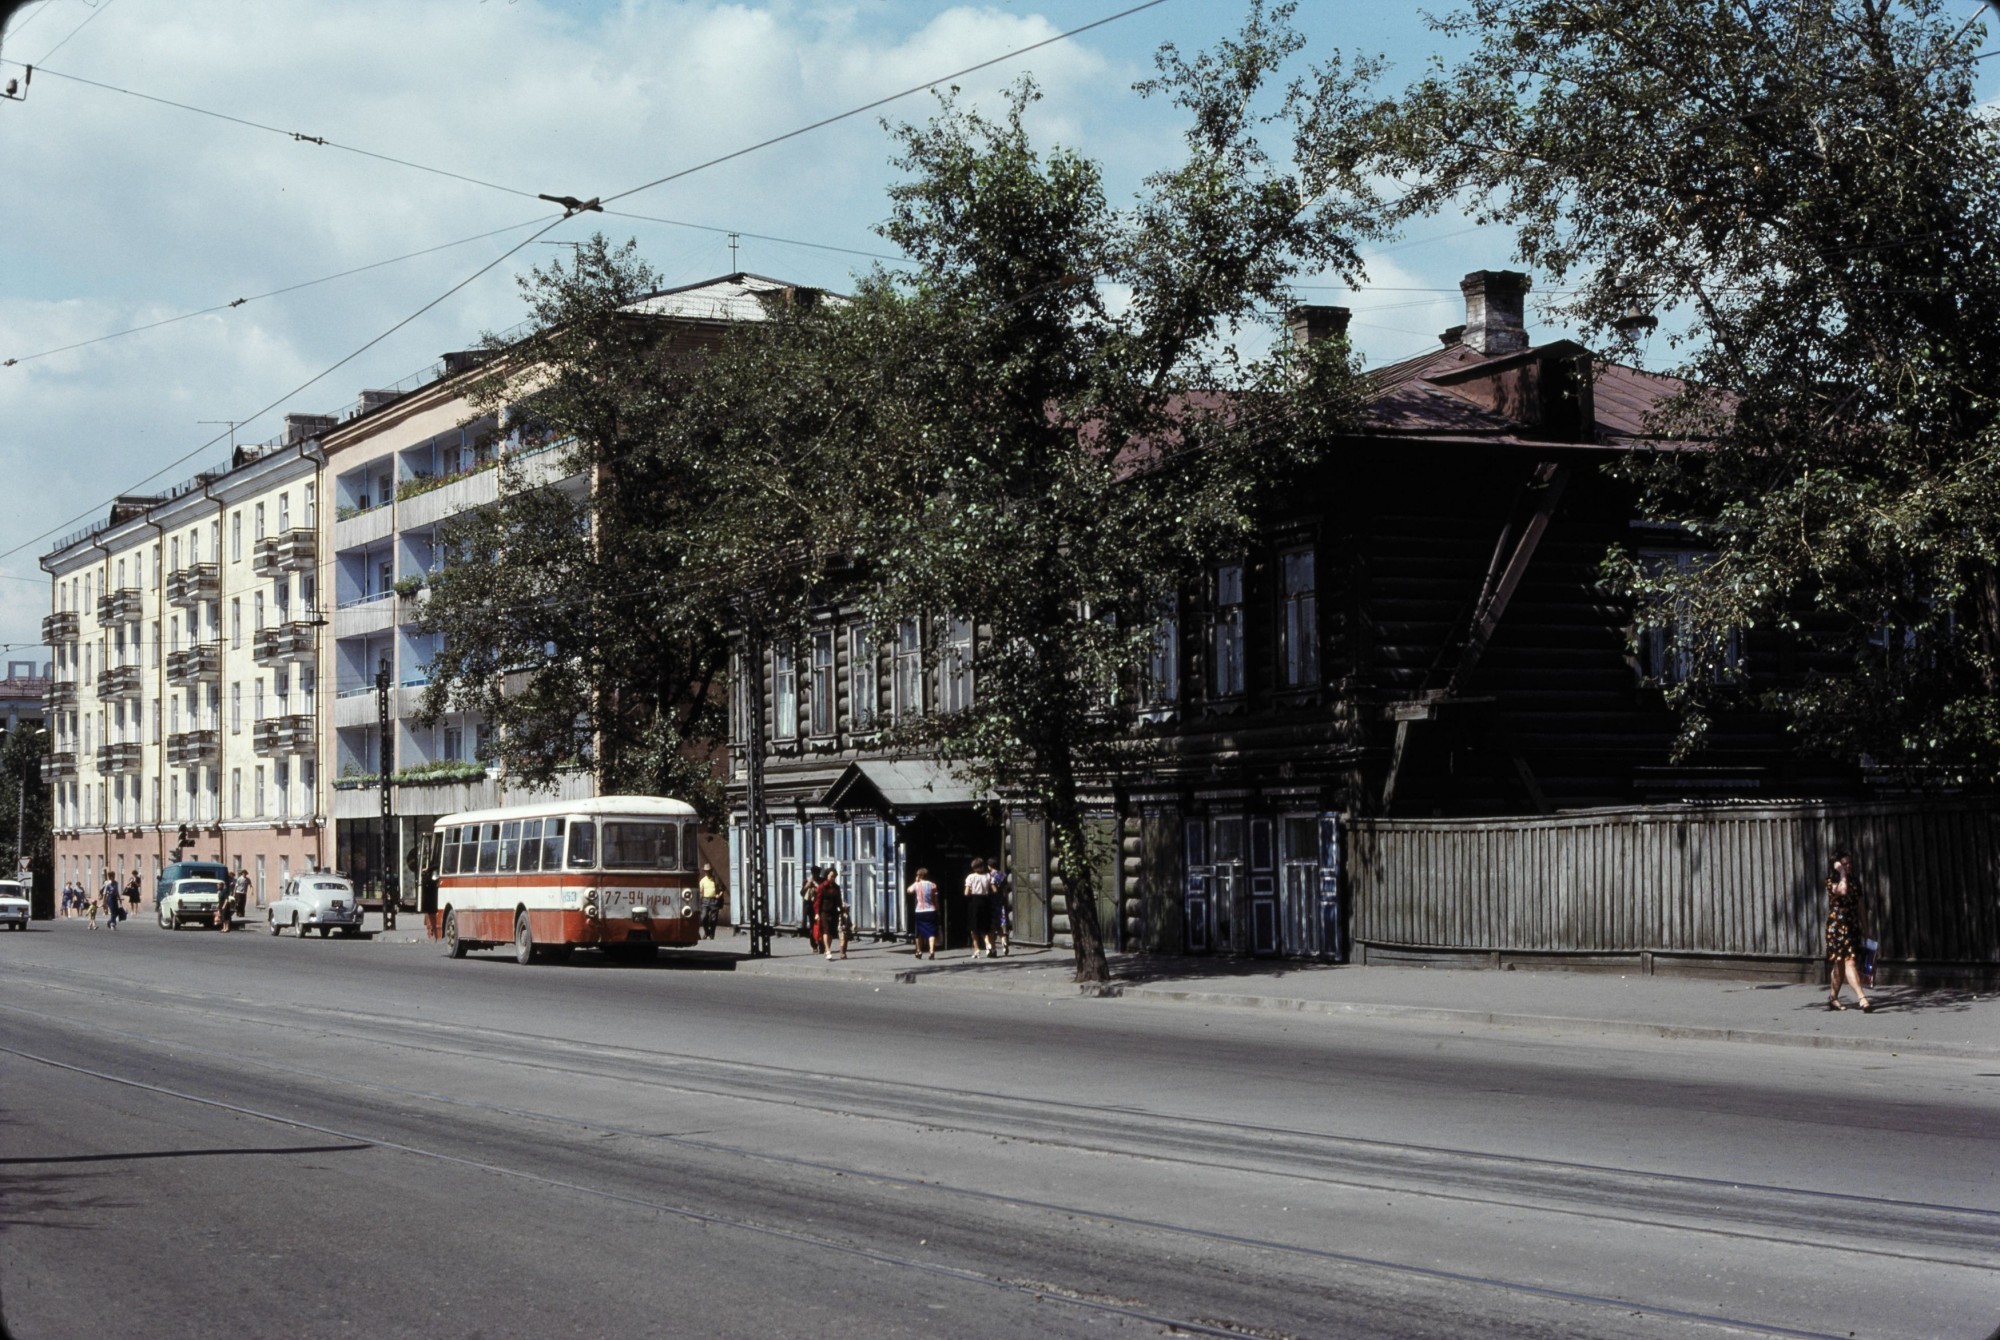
(1309, 323)
(1494, 305)
(374, 400)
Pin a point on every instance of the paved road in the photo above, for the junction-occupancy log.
(204, 1135)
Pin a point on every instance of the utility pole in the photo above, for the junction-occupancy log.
(756, 873)
(734, 238)
(384, 752)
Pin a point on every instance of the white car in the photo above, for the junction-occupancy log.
(324, 903)
(13, 905)
(189, 900)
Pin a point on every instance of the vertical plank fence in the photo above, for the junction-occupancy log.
(1711, 884)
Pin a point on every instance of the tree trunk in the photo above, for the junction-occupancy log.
(1071, 847)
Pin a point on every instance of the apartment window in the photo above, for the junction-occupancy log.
(822, 683)
(482, 741)
(236, 708)
(385, 576)
(258, 713)
(121, 574)
(260, 522)
(257, 612)
(453, 750)
(174, 547)
(284, 512)
(861, 676)
(236, 536)
(156, 721)
(236, 793)
(260, 792)
(909, 670)
(955, 672)
(784, 694)
(236, 622)
(1226, 632)
(1298, 621)
(385, 482)
(312, 504)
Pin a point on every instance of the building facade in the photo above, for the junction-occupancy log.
(1421, 630)
(184, 686)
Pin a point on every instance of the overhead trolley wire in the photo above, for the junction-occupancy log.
(852, 112)
(317, 377)
(88, 19)
(272, 293)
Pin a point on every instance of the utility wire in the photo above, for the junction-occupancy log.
(760, 237)
(273, 293)
(88, 19)
(310, 381)
(298, 135)
(883, 101)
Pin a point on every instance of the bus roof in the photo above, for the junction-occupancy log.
(599, 807)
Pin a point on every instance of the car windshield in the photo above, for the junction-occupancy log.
(198, 886)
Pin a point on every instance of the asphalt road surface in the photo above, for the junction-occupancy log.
(242, 1136)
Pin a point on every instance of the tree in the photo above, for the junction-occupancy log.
(1809, 193)
(1048, 465)
(24, 798)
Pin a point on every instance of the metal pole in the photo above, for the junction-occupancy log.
(757, 893)
(384, 760)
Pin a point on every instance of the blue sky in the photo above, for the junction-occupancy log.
(117, 211)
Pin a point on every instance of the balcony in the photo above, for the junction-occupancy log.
(193, 585)
(59, 628)
(287, 551)
(60, 695)
(188, 747)
(293, 641)
(122, 681)
(120, 757)
(194, 665)
(296, 733)
(59, 766)
(121, 606)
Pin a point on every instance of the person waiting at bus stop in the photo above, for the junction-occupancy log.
(832, 912)
(711, 901)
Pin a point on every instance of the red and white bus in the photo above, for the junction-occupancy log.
(618, 873)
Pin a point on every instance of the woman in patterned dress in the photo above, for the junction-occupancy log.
(1843, 932)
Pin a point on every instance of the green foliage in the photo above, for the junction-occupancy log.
(1810, 194)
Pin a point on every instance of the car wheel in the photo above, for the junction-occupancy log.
(271, 920)
(298, 929)
(524, 940)
(453, 946)
(166, 922)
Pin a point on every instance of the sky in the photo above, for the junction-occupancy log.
(119, 210)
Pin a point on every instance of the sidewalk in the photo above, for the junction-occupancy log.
(1906, 1020)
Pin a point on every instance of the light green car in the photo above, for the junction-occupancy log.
(189, 900)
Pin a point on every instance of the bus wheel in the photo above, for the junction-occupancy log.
(453, 946)
(524, 940)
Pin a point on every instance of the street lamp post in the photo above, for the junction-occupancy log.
(384, 752)
(756, 874)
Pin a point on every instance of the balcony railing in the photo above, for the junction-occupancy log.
(59, 695)
(121, 681)
(120, 757)
(121, 606)
(291, 641)
(292, 734)
(59, 766)
(193, 746)
(287, 551)
(193, 585)
(192, 665)
(59, 627)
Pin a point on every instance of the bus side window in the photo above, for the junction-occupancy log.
(510, 846)
(552, 836)
(690, 853)
(582, 845)
(454, 850)
(436, 844)
(489, 848)
(531, 846)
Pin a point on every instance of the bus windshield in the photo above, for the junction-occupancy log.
(638, 845)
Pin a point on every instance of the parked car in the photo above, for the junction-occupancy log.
(13, 905)
(316, 902)
(187, 900)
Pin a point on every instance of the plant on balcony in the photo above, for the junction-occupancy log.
(411, 488)
(409, 586)
(440, 772)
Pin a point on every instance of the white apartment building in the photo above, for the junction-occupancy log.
(184, 683)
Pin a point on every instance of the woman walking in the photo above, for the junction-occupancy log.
(923, 894)
(1844, 928)
(832, 913)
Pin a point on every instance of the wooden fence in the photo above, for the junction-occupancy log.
(1728, 882)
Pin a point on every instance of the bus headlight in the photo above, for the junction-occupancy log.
(687, 902)
(590, 903)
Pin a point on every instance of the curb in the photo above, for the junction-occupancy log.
(1623, 1027)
